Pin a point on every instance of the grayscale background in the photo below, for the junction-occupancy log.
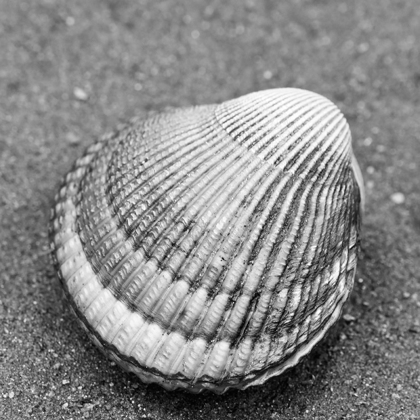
(72, 70)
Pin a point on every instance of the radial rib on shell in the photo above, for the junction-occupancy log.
(212, 247)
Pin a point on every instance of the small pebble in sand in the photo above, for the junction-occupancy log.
(380, 148)
(268, 75)
(70, 21)
(80, 94)
(367, 141)
(72, 138)
(349, 318)
(398, 198)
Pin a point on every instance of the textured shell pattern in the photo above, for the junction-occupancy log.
(212, 247)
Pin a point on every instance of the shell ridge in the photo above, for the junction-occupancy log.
(286, 304)
(336, 258)
(308, 151)
(229, 181)
(302, 118)
(321, 238)
(227, 236)
(292, 134)
(319, 291)
(253, 231)
(188, 151)
(147, 132)
(247, 138)
(303, 113)
(249, 293)
(231, 123)
(203, 180)
(253, 326)
(139, 299)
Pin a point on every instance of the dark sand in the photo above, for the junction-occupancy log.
(70, 71)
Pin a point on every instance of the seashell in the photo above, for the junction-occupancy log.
(212, 247)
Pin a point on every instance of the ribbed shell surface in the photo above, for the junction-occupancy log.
(212, 247)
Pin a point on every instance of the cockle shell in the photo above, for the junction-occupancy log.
(212, 247)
